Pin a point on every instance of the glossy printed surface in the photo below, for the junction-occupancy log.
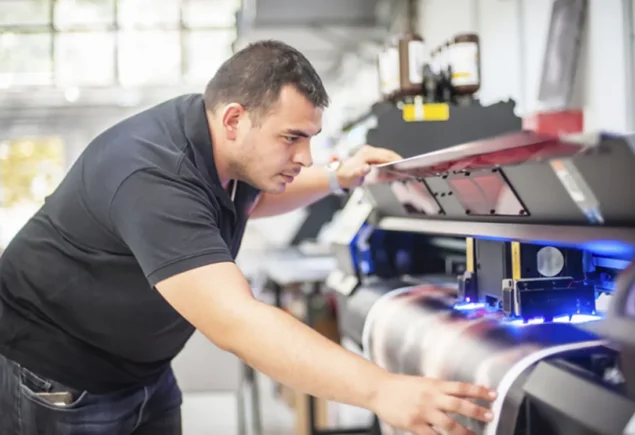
(510, 149)
(417, 331)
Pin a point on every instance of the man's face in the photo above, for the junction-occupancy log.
(272, 152)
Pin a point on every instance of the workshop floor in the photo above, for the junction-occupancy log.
(215, 413)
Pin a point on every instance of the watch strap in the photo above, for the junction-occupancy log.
(334, 184)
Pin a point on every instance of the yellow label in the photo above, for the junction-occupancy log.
(426, 112)
(469, 254)
(516, 265)
(460, 75)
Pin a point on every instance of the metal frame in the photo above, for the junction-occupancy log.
(555, 234)
(315, 289)
(628, 15)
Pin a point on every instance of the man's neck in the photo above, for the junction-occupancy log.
(220, 152)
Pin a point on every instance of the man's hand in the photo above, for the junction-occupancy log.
(353, 170)
(421, 405)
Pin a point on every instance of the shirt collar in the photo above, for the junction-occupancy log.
(198, 134)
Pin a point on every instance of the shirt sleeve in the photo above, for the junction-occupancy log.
(169, 224)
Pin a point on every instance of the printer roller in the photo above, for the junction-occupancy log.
(418, 331)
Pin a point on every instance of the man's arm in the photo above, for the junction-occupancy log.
(268, 338)
(312, 184)
(282, 347)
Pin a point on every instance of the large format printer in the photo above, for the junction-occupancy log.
(506, 262)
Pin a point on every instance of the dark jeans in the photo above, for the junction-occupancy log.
(152, 410)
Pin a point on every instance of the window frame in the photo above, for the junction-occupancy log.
(180, 25)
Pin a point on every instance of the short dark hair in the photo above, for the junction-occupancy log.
(255, 75)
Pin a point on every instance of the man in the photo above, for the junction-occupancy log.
(135, 249)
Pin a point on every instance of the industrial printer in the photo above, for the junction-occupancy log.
(504, 262)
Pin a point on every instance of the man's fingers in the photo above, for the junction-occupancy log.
(372, 176)
(462, 389)
(424, 430)
(464, 407)
(447, 425)
(375, 156)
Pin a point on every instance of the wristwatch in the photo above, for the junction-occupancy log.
(334, 184)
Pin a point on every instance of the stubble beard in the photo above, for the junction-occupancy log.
(245, 170)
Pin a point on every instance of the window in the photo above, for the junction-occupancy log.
(210, 13)
(205, 52)
(70, 14)
(113, 42)
(149, 13)
(149, 57)
(85, 59)
(24, 12)
(25, 59)
(30, 169)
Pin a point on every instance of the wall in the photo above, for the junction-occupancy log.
(513, 35)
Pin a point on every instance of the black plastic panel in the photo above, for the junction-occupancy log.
(466, 123)
(492, 266)
(543, 194)
(609, 171)
(580, 404)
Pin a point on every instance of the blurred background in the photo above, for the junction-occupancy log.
(70, 68)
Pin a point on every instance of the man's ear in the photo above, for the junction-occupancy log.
(232, 115)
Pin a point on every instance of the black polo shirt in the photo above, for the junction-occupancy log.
(142, 203)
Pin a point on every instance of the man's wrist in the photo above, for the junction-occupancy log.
(336, 185)
(378, 384)
(341, 180)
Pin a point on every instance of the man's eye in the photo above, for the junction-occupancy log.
(291, 139)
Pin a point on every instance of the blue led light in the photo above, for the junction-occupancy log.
(469, 306)
(365, 267)
(612, 248)
(577, 318)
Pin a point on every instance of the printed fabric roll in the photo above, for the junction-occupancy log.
(417, 331)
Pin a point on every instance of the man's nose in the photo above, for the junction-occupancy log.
(302, 155)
